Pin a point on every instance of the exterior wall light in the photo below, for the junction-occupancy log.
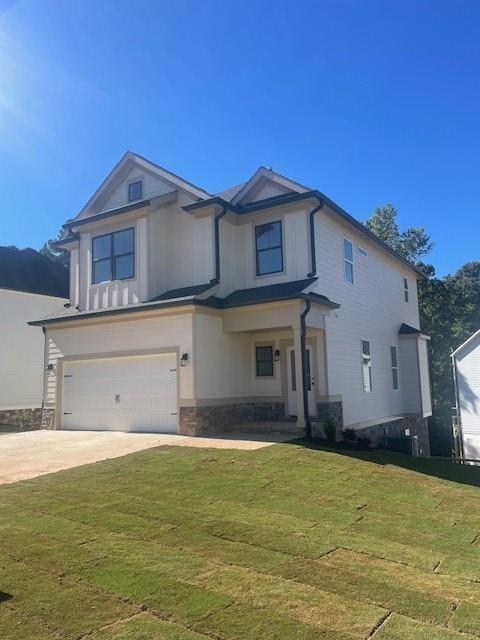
(184, 360)
(276, 355)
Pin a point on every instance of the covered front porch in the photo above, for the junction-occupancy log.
(259, 363)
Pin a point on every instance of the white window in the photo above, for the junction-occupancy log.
(405, 289)
(366, 366)
(135, 191)
(348, 260)
(394, 360)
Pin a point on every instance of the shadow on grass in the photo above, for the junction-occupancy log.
(5, 596)
(436, 467)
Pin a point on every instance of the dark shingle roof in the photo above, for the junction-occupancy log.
(30, 271)
(271, 293)
(242, 297)
(406, 329)
(183, 292)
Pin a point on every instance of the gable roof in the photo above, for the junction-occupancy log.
(130, 157)
(231, 199)
(29, 271)
(264, 173)
(466, 343)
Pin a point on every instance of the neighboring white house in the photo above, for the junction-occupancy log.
(22, 348)
(191, 312)
(466, 371)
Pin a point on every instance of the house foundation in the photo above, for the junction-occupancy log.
(205, 420)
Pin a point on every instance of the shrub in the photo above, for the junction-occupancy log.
(330, 429)
(349, 435)
(364, 442)
(25, 420)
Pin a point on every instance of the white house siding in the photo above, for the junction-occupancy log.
(225, 363)
(75, 276)
(225, 360)
(152, 186)
(237, 245)
(409, 374)
(117, 292)
(22, 348)
(373, 308)
(222, 360)
(468, 383)
(122, 337)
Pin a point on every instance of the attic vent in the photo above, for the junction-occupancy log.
(363, 252)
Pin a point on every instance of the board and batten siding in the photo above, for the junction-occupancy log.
(123, 337)
(468, 386)
(22, 347)
(180, 248)
(373, 308)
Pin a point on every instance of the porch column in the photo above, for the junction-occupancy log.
(297, 344)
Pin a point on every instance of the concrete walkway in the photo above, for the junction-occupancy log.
(35, 453)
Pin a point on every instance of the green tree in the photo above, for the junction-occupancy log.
(413, 243)
(49, 250)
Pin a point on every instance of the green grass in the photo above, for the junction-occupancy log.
(285, 542)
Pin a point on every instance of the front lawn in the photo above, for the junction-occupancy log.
(284, 542)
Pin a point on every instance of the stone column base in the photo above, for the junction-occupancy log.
(326, 411)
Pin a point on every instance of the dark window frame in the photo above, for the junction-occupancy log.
(269, 360)
(132, 184)
(113, 255)
(258, 251)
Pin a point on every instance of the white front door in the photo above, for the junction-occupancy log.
(292, 383)
(121, 394)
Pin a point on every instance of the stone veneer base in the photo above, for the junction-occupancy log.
(11, 417)
(205, 420)
(417, 426)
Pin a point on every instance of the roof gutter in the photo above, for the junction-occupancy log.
(303, 341)
(218, 217)
(313, 253)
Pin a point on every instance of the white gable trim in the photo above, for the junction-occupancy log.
(147, 165)
(264, 173)
(464, 344)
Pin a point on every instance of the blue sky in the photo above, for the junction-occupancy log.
(367, 100)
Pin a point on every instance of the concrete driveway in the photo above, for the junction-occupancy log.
(35, 453)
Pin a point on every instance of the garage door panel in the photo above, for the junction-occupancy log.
(121, 394)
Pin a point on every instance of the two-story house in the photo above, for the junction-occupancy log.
(191, 312)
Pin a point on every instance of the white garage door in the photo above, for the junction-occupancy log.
(121, 394)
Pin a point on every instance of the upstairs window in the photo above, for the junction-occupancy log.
(135, 191)
(394, 359)
(348, 260)
(366, 366)
(113, 256)
(268, 248)
(405, 289)
(264, 362)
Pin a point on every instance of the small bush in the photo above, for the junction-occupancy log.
(349, 435)
(330, 429)
(25, 420)
(363, 442)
